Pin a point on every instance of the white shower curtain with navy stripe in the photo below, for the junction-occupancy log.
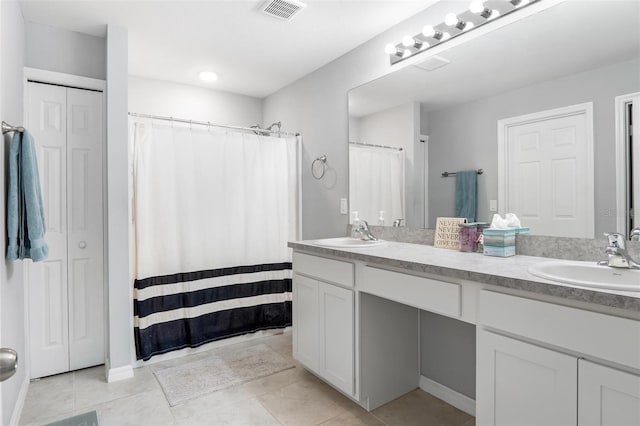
(213, 212)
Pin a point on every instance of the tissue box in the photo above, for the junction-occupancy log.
(522, 230)
(499, 251)
(499, 242)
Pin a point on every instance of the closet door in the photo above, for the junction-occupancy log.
(47, 280)
(85, 228)
(66, 291)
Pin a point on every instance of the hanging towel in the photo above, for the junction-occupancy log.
(25, 213)
(466, 194)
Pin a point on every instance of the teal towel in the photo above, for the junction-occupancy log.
(466, 194)
(25, 212)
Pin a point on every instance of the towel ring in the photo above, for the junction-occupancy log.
(323, 163)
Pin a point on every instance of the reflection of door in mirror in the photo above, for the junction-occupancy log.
(627, 162)
(545, 170)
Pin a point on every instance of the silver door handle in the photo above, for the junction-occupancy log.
(8, 363)
(82, 244)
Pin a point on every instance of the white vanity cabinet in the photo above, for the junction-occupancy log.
(606, 396)
(323, 318)
(539, 363)
(523, 384)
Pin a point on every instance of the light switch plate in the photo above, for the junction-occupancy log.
(343, 206)
(493, 205)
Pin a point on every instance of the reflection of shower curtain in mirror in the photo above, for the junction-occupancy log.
(376, 182)
(214, 210)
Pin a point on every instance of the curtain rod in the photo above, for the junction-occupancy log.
(376, 146)
(207, 123)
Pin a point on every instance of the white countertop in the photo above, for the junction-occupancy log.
(510, 272)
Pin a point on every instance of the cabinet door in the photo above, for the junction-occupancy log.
(47, 280)
(337, 336)
(523, 384)
(607, 397)
(85, 228)
(305, 321)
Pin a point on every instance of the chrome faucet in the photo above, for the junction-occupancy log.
(364, 232)
(617, 255)
(397, 223)
(634, 235)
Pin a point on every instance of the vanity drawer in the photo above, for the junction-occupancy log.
(329, 270)
(424, 293)
(591, 333)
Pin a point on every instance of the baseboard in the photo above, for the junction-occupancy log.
(22, 396)
(448, 395)
(120, 373)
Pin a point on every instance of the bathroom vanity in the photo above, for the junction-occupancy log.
(546, 353)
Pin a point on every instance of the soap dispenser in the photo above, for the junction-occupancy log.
(355, 225)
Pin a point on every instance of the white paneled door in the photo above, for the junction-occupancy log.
(607, 397)
(66, 311)
(548, 171)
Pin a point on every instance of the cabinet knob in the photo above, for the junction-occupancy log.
(82, 244)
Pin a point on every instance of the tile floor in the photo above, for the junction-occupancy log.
(291, 397)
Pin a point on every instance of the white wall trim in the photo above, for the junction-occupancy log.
(22, 396)
(503, 152)
(53, 77)
(448, 395)
(621, 159)
(119, 373)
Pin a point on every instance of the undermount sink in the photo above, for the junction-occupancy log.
(588, 274)
(347, 242)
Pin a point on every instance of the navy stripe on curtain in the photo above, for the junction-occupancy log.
(178, 320)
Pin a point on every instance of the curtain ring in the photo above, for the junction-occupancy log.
(323, 160)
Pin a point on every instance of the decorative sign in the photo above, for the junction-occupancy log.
(448, 232)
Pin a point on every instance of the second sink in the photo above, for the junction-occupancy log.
(588, 274)
(347, 242)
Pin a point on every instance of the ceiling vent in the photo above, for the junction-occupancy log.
(432, 63)
(282, 9)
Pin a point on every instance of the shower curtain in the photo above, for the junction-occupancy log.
(376, 182)
(213, 212)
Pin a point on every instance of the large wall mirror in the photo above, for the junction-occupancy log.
(543, 106)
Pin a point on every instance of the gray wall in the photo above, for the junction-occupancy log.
(120, 308)
(12, 293)
(465, 136)
(316, 105)
(448, 352)
(65, 51)
(167, 99)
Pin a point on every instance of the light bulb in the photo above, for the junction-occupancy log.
(494, 14)
(469, 26)
(445, 36)
(208, 76)
(451, 19)
(476, 6)
(408, 41)
(406, 53)
(390, 49)
(428, 31)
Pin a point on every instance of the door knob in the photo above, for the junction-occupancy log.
(8, 363)
(82, 244)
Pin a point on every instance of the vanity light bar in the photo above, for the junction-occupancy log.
(479, 13)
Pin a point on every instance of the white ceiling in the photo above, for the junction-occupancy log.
(254, 54)
(573, 36)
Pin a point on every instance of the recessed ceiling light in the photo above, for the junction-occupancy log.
(208, 76)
